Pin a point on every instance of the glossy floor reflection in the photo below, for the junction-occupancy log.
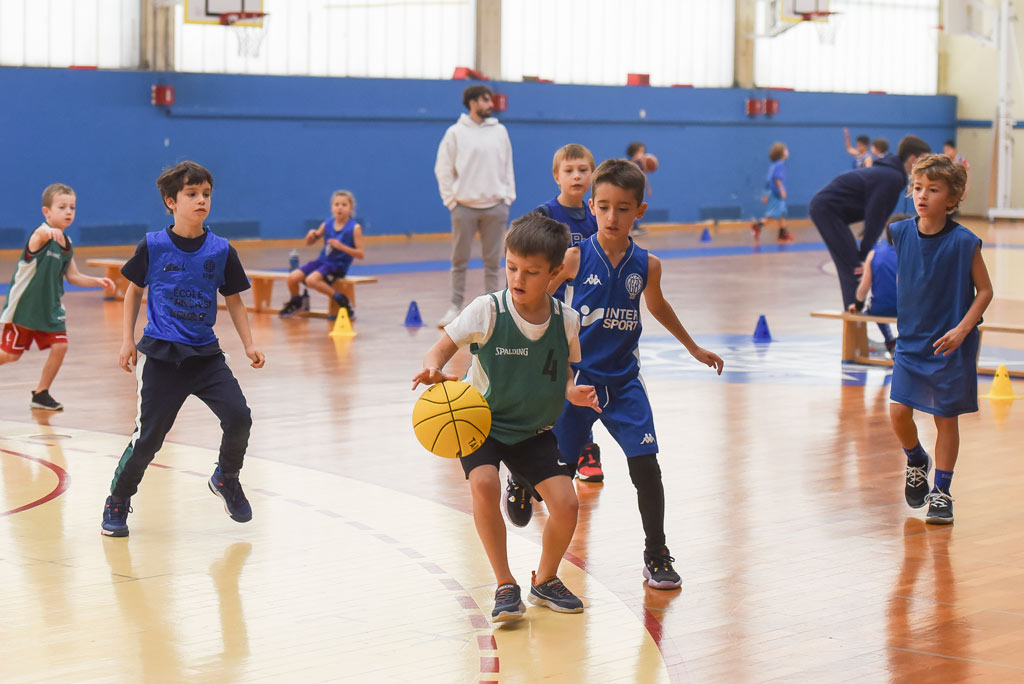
(800, 560)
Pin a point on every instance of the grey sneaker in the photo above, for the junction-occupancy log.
(940, 508)
(916, 488)
(449, 316)
(555, 596)
(508, 603)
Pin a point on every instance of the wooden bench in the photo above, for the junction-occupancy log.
(262, 286)
(855, 337)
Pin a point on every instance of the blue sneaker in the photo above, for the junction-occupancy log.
(229, 489)
(555, 596)
(508, 603)
(115, 518)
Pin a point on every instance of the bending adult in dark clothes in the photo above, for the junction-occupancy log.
(867, 194)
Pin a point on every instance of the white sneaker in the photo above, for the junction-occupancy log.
(448, 317)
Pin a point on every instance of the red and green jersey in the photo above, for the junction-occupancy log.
(37, 286)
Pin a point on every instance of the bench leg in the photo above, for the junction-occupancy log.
(261, 291)
(855, 340)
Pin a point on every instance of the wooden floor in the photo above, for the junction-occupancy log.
(800, 560)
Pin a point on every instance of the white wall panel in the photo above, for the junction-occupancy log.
(61, 33)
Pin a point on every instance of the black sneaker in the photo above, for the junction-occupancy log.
(293, 307)
(304, 301)
(115, 518)
(658, 570)
(43, 400)
(508, 603)
(229, 489)
(940, 508)
(555, 596)
(518, 504)
(589, 467)
(916, 488)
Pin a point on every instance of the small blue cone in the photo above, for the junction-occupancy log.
(412, 318)
(761, 332)
(706, 235)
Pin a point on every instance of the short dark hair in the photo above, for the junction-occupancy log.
(52, 191)
(950, 143)
(634, 147)
(536, 234)
(172, 180)
(474, 92)
(880, 144)
(864, 140)
(622, 173)
(912, 146)
(776, 151)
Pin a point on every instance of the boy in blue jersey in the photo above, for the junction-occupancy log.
(860, 152)
(868, 195)
(184, 267)
(607, 273)
(522, 342)
(343, 242)
(944, 288)
(775, 193)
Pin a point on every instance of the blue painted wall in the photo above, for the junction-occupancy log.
(278, 146)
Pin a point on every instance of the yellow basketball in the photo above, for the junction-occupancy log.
(451, 419)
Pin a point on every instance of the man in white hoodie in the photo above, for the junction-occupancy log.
(477, 184)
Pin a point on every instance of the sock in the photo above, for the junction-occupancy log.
(917, 456)
(943, 478)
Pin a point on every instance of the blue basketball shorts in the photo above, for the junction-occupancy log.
(776, 208)
(625, 412)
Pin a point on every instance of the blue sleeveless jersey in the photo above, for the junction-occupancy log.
(182, 299)
(345, 236)
(608, 300)
(935, 291)
(883, 279)
(580, 229)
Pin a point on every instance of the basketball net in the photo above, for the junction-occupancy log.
(826, 24)
(248, 35)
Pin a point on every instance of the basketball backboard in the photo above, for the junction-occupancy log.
(210, 11)
(782, 15)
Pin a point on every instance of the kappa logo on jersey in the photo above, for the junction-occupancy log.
(648, 438)
(634, 284)
(592, 279)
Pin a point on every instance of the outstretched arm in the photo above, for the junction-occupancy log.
(666, 315)
(434, 362)
(40, 236)
(946, 344)
(570, 266)
(76, 277)
(240, 318)
(850, 149)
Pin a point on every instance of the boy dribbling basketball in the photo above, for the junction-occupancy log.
(522, 342)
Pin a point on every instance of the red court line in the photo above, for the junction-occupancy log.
(63, 481)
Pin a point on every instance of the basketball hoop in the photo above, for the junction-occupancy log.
(826, 24)
(249, 29)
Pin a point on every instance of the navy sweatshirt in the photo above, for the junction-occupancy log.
(867, 194)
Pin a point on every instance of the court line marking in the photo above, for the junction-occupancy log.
(63, 482)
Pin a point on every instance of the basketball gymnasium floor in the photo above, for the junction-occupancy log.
(800, 560)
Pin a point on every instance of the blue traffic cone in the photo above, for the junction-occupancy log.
(412, 318)
(761, 332)
(706, 235)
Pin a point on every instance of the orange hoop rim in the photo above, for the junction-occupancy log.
(230, 18)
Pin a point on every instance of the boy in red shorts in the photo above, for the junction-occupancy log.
(33, 311)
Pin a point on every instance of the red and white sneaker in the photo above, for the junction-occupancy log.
(589, 467)
(756, 227)
(786, 236)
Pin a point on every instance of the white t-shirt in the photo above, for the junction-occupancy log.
(476, 323)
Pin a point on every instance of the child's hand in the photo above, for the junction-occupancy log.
(336, 244)
(54, 234)
(128, 358)
(108, 286)
(431, 376)
(852, 308)
(583, 395)
(256, 356)
(310, 237)
(782, 194)
(948, 343)
(709, 359)
(764, 199)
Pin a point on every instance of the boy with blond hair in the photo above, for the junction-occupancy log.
(33, 311)
(607, 274)
(775, 193)
(522, 341)
(944, 288)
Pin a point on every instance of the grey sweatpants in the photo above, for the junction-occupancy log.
(466, 222)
